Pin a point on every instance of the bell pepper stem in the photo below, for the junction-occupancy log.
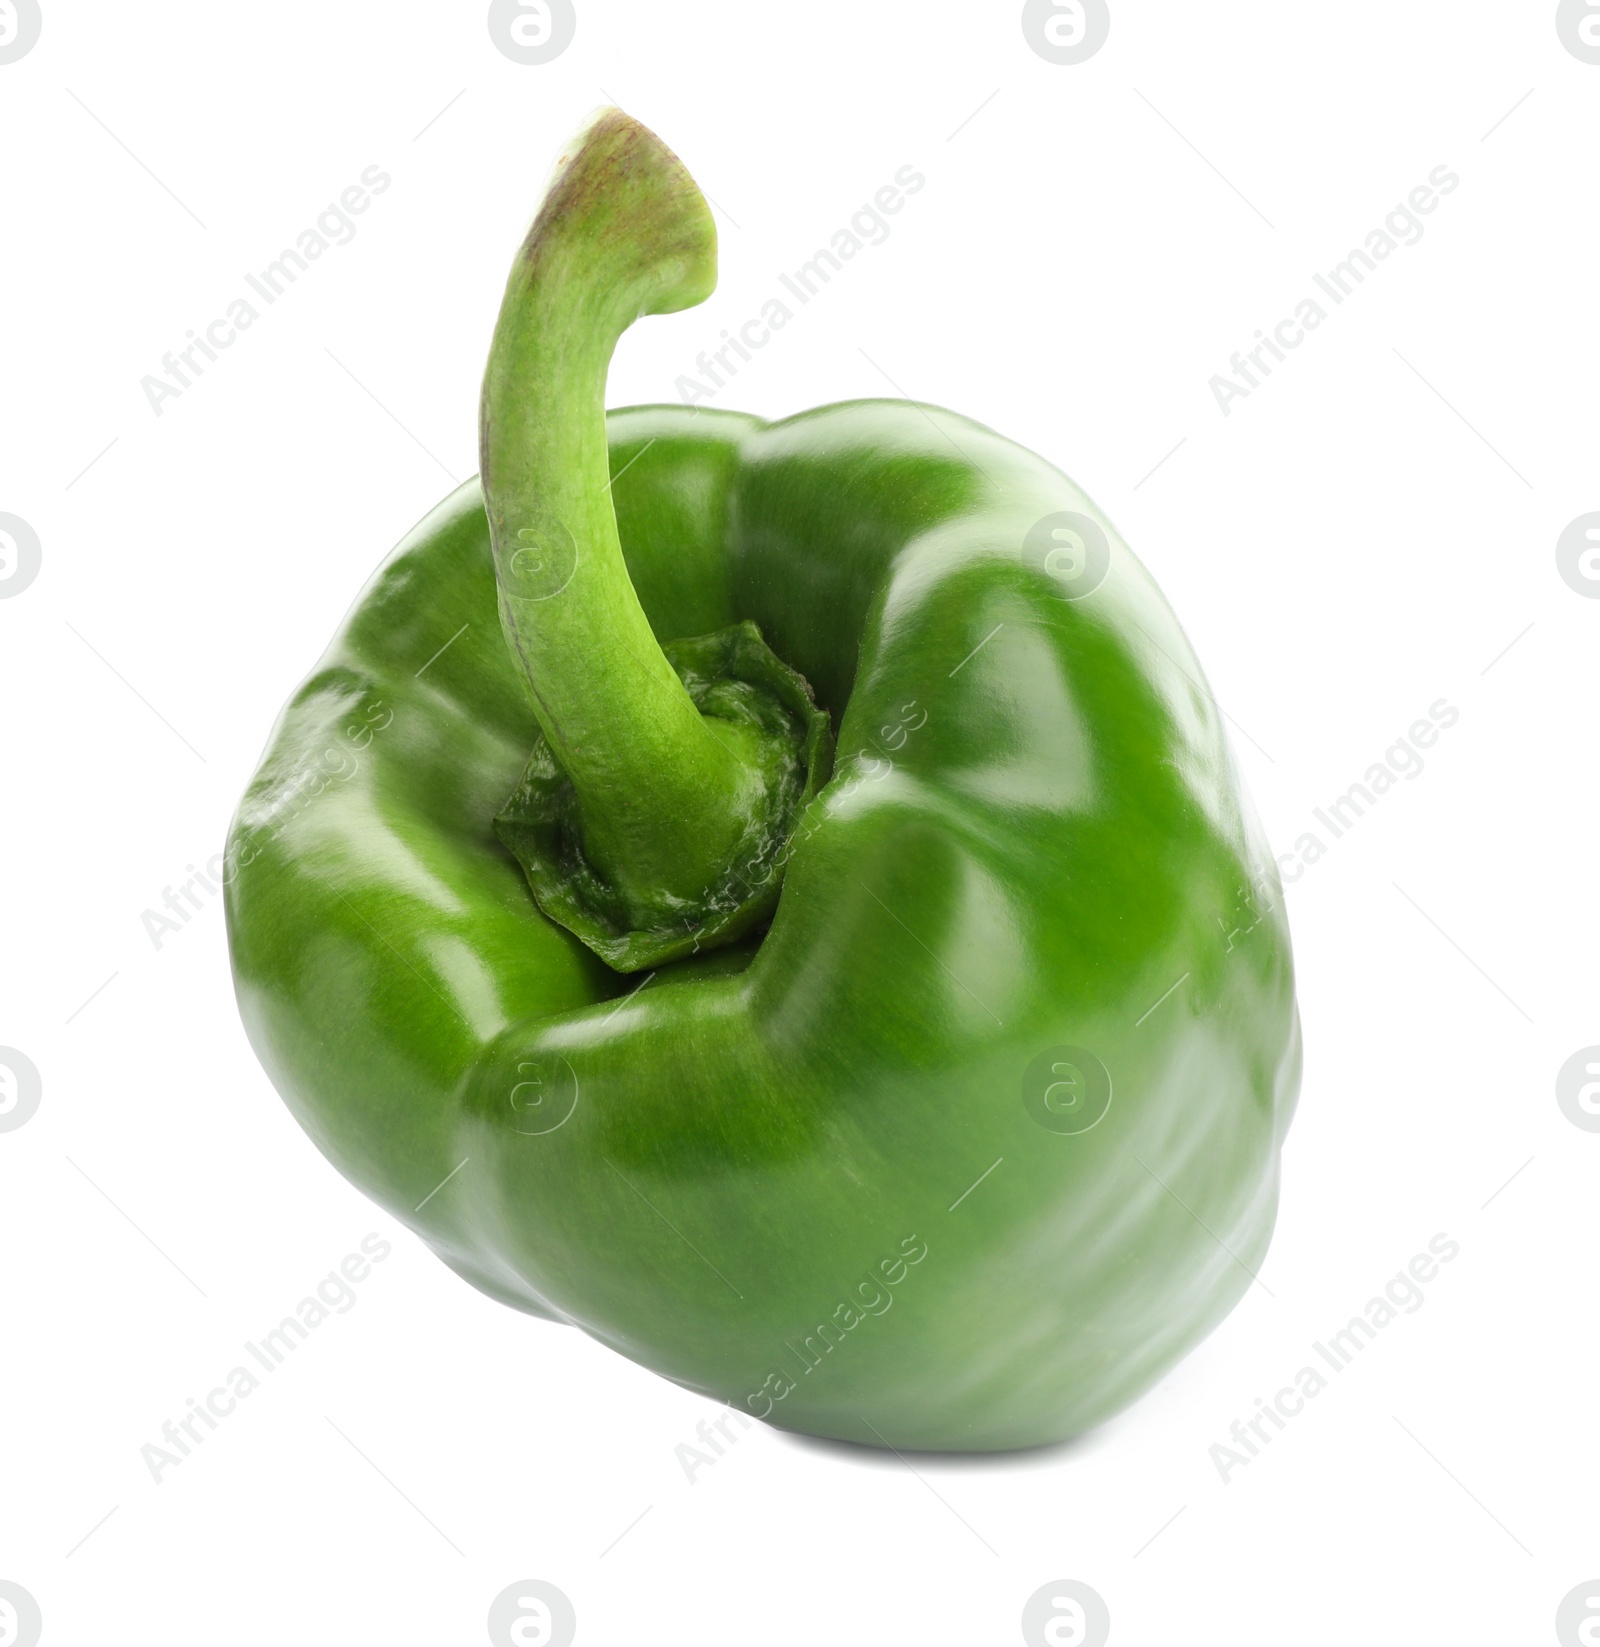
(662, 796)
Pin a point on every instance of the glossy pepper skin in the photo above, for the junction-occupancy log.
(982, 1135)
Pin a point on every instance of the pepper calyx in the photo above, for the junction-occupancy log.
(736, 681)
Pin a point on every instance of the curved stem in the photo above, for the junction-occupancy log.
(622, 232)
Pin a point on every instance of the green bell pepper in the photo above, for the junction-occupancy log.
(926, 1094)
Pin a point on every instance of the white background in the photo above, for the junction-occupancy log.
(1365, 534)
